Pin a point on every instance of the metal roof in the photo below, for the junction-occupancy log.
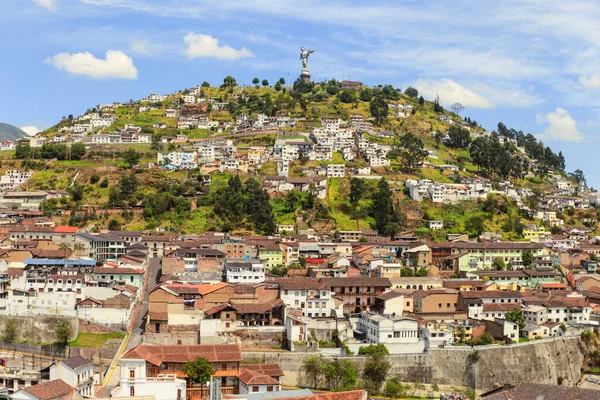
(71, 261)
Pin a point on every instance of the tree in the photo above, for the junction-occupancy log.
(358, 189)
(228, 82)
(578, 176)
(104, 183)
(365, 94)
(379, 109)
(382, 205)
(128, 185)
(156, 144)
(205, 84)
(458, 137)
(265, 82)
(10, 330)
(340, 374)
(527, 258)
(411, 92)
(457, 108)
(373, 349)
(313, 368)
(302, 262)
(499, 264)
(421, 100)
(94, 179)
(23, 151)
(437, 106)
(131, 157)
(475, 224)
(515, 315)
(77, 151)
(62, 333)
(412, 151)
(281, 81)
(277, 86)
(230, 202)
(376, 369)
(259, 208)
(256, 81)
(395, 389)
(486, 339)
(199, 371)
(114, 225)
(347, 96)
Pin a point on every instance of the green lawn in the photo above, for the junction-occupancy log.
(94, 339)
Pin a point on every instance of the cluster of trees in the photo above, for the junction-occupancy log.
(389, 219)
(238, 203)
(458, 137)
(533, 148)
(411, 151)
(494, 158)
(60, 151)
(342, 375)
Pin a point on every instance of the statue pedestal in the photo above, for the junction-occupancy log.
(305, 76)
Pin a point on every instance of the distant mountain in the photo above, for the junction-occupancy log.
(9, 132)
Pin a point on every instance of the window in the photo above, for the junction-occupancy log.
(132, 391)
(223, 367)
(255, 388)
(439, 305)
(132, 374)
(269, 388)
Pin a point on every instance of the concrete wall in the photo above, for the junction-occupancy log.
(542, 361)
(39, 328)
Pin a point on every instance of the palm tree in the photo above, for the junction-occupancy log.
(64, 246)
(78, 248)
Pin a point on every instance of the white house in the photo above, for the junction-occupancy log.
(245, 272)
(436, 225)
(135, 381)
(309, 295)
(335, 170)
(51, 390)
(378, 328)
(77, 372)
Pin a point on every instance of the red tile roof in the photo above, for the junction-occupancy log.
(158, 354)
(250, 377)
(66, 229)
(351, 395)
(56, 389)
(117, 271)
(266, 369)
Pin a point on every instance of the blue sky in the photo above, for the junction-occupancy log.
(534, 65)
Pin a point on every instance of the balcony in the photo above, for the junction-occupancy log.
(193, 393)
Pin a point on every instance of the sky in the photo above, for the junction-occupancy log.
(532, 64)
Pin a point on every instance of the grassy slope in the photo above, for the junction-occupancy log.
(423, 122)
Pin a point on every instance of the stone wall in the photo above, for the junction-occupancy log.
(483, 368)
(39, 328)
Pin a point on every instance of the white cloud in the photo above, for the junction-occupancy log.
(141, 47)
(30, 130)
(593, 82)
(49, 4)
(206, 46)
(506, 94)
(116, 65)
(561, 126)
(451, 92)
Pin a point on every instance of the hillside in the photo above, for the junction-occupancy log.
(10, 132)
(187, 203)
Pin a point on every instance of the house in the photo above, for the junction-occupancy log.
(436, 301)
(310, 296)
(157, 370)
(357, 293)
(244, 272)
(335, 170)
(52, 390)
(377, 328)
(587, 282)
(436, 225)
(120, 275)
(77, 372)
(535, 391)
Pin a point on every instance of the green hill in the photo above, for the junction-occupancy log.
(10, 132)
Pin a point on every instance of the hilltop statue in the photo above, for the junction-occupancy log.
(305, 75)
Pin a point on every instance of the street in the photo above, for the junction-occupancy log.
(152, 276)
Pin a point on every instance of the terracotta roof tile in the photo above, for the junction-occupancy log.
(56, 389)
(157, 354)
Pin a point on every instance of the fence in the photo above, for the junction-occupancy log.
(44, 350)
